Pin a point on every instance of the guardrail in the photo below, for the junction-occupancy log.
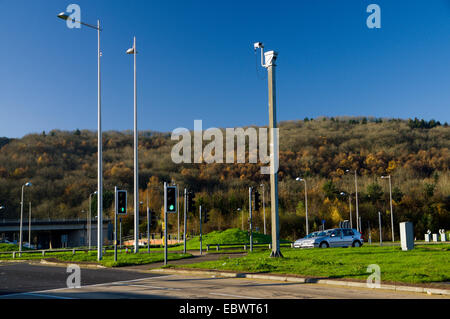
(245, 245)
(43, 252)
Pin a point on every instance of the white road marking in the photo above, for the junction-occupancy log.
(229, 295)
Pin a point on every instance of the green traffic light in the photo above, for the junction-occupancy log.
(171, 207)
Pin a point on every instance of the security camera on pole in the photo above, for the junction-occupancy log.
(269, 64)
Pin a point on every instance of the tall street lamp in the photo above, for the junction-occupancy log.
(99, 139)
(356, 200)
(306, 203)
(133, 51)
(28, 184)
(390, 197)
(264, 206)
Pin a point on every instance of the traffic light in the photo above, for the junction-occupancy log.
(206, 218)
(171, 199)
(190, 202)
(257, 203)
(121, 202)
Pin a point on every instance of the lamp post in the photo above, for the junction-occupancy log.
(356, 200)
(264, 207)
(90, 219)
(306, 203)
(350, 207)
(390, 197)
(242, 218)
(133, 51)
(29, 224)
(99, 139)
(28, 184)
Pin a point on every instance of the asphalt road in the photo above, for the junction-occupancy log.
(24, 281)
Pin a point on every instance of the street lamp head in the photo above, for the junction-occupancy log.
(63, 16)
(299, 179)
(385, 176)
(28, 184)
(238, 209)
(347, 170)
(342, 193)
(131, 51)
(2, 207)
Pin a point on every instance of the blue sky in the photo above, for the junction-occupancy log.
(196, 61)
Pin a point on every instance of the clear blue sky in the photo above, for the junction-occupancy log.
(196, 61)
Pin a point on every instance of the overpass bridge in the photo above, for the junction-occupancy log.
(55, 233)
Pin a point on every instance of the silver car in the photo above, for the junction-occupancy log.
(300, 242)
(338, 237)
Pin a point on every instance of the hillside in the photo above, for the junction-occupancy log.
(63, 169)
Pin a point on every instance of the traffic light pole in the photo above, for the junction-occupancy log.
(200, 229)
(165, 223)
(250, 217)
(185, 219)
(115, 223)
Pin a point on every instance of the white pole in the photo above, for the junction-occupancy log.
(306, 206)
(136, 168)
(356, 199)
(270, 65)
(21, 219)
(100, 172)
(29, 225)
(264, 209)
(392, 213)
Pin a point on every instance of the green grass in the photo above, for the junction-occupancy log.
(424, 264)
(11, 247)
(228, 236)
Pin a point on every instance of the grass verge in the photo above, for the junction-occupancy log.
(424, 264)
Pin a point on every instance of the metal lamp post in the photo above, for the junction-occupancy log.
(28, 184)
(390, 197)
(133, 51)
(350, 206)
(90, 219)
(264, 206)
(356, 200)
(99, 139)
(306, 203)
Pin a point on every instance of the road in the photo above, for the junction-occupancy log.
(24, 281)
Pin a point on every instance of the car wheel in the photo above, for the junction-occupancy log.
(356, 243)
(324, 245)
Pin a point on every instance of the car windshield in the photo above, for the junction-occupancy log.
(311, 235)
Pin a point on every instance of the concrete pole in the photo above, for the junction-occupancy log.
(270, 58)
(99, 165)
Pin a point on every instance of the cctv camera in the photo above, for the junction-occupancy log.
(258, 45)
